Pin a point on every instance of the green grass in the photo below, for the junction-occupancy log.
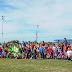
(21, 65)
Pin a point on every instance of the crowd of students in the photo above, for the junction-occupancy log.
(31, 50)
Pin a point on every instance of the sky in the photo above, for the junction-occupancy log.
(54, 18)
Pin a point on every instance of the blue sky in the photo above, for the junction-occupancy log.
(54, 18)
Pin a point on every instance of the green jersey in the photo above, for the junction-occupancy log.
(13, 49)
(17, 50)
(9, 50)
(20, 54)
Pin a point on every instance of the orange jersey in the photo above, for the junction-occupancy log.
(71, 48)
(37, 46)
(19, 45)
(64, 48)
(30, 47)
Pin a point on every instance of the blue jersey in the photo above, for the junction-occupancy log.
(65, 41)
(41, 49)
(23, 44)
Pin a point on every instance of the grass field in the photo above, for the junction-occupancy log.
(21, 65)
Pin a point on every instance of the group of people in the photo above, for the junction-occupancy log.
(33, 50)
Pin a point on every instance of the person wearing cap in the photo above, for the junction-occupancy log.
(68, 54)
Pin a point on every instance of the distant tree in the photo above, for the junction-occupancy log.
(58, 41)
(0, 43)
(68, 41)
(46, 43)
(51, 43)
(13, 41)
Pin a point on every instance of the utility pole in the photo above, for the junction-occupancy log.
(37, 33)
(2, 27)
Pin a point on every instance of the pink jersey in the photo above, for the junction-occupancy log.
(61, 54)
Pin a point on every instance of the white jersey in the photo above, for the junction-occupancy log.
(54, 48)
(69, 53)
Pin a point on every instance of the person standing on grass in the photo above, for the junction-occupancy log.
(51, 52)
(35, 53)
(45, 52)
(48, 51)
(9, 52)
(41, 51)
(58, 50)
(54, 51)
(38, 53)
(28, 53)
(24, 52)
